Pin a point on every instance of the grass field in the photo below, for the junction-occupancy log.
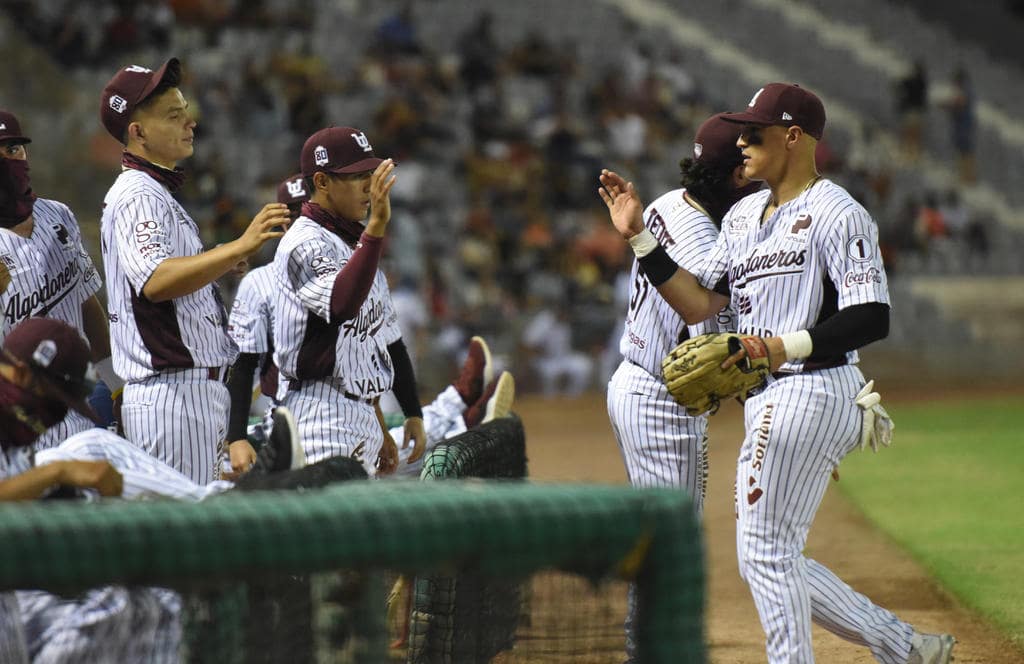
(951, 491)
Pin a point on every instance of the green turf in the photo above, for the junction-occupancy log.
(951, 491)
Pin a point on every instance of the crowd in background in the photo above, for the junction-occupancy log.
(497, 227)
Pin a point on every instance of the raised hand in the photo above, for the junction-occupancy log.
(268, 224)
(381, 181)
(624, 205)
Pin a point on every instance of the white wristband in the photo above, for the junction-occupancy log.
(798, 345)
(643, 243)
(105, 370)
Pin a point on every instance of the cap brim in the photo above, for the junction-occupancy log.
(170, 71)
(747, 119)
(368, 164)
(15, 140)
(72, 401)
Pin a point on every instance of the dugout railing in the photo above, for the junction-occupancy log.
(498, 529)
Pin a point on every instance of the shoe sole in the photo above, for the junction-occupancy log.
(282, 414)
(500, 403)
(488, 364)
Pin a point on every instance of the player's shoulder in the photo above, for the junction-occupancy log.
(668, 202)
(132, 184)
(829, 202)
(49, 208)
(259, 279)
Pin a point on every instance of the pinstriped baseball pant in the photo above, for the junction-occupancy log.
(798, 430)
(181, 419)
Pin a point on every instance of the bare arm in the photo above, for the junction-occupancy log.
(179, 276)
(94, 320)
(32, 484)
(680, 289)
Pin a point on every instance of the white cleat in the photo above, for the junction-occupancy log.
(931, 649)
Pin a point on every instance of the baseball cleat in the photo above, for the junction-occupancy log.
(477, 371)
(283, 450)
(931, 649)
(500, 402)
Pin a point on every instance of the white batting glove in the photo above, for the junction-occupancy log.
(877, 427)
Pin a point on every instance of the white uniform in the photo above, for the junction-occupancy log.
(251, 326)
(172, 354)
(661, 445)
(109, 624)
(47, 274)
(336, 373)
(815, 255)
(12, 638)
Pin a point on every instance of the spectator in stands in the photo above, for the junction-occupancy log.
(912, 105)
(929, 227)
(479, 53)
(961, 116)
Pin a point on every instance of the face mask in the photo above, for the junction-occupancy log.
(16, 196)
(25, 416)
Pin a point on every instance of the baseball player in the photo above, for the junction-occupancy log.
(800, 263)
(43, 369)
(44, 270)
(167, 320)
(662, 445)
(336, 335)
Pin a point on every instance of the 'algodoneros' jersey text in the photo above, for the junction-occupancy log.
(142, 226)
(815, 255)
(48, 273)
(308, 344)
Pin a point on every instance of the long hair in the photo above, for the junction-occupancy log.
(712, 187)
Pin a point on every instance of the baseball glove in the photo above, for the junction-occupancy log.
(693, 374)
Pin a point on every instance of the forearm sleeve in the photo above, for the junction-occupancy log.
(353, 282)
(849, 329)
(240, 388)
(405, 380)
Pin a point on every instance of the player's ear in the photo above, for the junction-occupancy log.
(135, 131)
(320, 180)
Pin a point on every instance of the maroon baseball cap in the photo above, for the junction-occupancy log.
(10, 130)
(292, 190)
(57, 356)
(130, 87)
(715, 143)
(337, 150)
(784, 104)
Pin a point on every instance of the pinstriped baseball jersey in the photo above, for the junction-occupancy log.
(142, 225)
(308, 346)
(653, 327)
(50, 274)
(251, 323)
(816, 254)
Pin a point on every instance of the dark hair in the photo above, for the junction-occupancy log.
(710, 186)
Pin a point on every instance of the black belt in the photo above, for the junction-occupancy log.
(294, 385)
(819, 365)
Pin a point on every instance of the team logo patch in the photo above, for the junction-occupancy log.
(802, 221)
(786, 116)
(362, 141)
(296, 188)
(2, 126)
(118, 103)
(320, 155)
(698, 149)
(45, 352)
(860, 249)
(138, 69)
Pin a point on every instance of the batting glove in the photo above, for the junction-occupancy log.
(877, 426)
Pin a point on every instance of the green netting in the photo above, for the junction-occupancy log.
(468, 617)
(500, 529)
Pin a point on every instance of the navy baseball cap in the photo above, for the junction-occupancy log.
(130, 87)
(715, 143)
(10, 130)
(57, 356)
(292, 190)
(338, 150)
(786, 105)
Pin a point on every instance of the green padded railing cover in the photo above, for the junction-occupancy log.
(493, 528)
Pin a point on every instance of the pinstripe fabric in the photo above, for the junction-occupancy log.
(12, 639)
(307, 260)
(798, 430)
(48, 274)
(442, 419)
(182, 423)
(331, 425)
(817, 252)
(143, 225)
(145, 477)
(251, 323)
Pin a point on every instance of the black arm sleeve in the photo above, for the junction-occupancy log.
(848, 329)
(240, 389)
(405, 380)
